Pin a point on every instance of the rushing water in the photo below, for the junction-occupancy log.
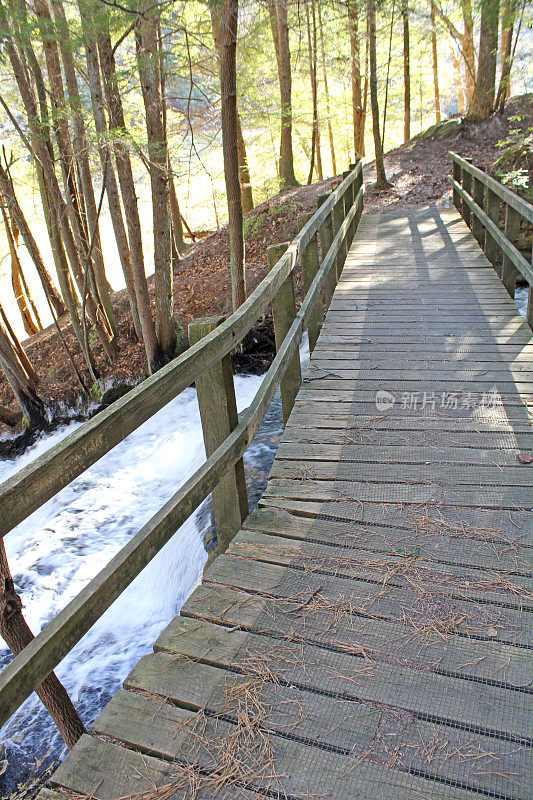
(57, 550)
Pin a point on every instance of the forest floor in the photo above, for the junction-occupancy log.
(418, 172)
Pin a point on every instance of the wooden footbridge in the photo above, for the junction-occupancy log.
(367, 632)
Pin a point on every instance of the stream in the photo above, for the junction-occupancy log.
(60, 547)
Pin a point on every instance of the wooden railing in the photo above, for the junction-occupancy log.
(335, 220)
(481, 200)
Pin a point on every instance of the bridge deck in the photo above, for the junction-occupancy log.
(367, 633)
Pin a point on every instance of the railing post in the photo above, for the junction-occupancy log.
(477, 226)
(310, 264)
(348, 203)
(338, 219)
(284, 312)
(357, 185)
(326, 239)
(218, 412)
(456, 173)
(491, 206)
(467, 186)
(529, 309)
(512, 232)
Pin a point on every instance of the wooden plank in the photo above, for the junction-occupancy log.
(408, 514)
(396, 569)
(361, 598)
(297, 769)
(101, 770)
(438, 439)
(305, 665)
(440, 471)
(488, 549)
(344, 491)
(337, 415)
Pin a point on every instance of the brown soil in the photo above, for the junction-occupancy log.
(418, 169)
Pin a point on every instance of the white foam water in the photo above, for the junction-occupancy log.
(56, 551)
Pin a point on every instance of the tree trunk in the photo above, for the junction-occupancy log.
(81, 155)
(461, 103)
(283, 54)
(150, 66)
(435, 63)
(482, 103)
(64, 213)
(389, 58)
(508, 20)
(228, 93)
(326, 91)
(129, 198)
(468, 49)
(30, 324)
(175, 213)
(406, 75)
(108, 167)
(247, 195)
(315, 131)
(381, 177)
(20, 375)
(357, 95)
(215, 9)
(17, 635)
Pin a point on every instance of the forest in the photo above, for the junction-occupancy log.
(130, 129)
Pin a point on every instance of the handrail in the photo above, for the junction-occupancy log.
(508, 248)
(503, 192)
(478, 198)
(58, 637)
(36, 483)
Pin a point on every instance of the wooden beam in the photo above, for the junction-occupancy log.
(284, 312)
(218, 412)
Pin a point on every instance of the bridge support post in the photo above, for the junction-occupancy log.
(348, 203)
(477, 227)
(326, 238)
(491, 207)
(357, 184)
(467, 186)
(456, 173)
(309, 270)
(284, 312)
(512, 232)
(338, 219)
(218, 412)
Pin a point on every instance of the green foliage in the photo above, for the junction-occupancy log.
(253, 224)
(97, 391)
(514, 165)
(182, 341)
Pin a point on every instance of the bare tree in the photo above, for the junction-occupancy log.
(406, 74)
(228, 91)
(482, 103)
(150, 63)
(508, 20)
(435, 61)
(357, 93)
(381, 177)
(312, 52)
(17, 635)
(326, 90)
(280, 34)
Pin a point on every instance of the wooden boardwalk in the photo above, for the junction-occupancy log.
(367, 634)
